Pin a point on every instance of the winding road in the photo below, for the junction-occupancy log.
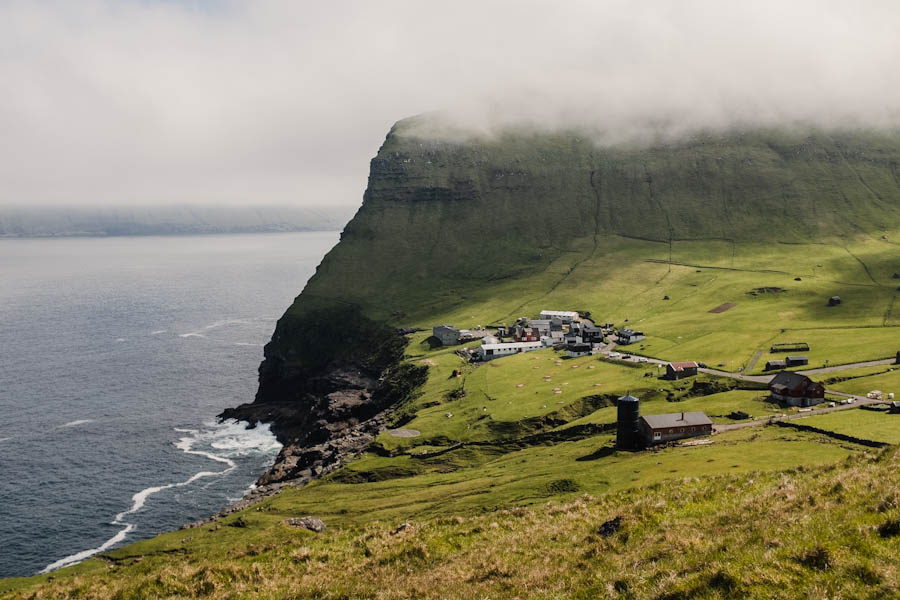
(857, 400)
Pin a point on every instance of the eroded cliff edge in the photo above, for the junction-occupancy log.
(444, 219)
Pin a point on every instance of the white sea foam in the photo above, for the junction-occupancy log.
(158, 331)
(223, 323)
(248, 344)
(230, 437)
(120, 339)
(6, 439)
(76, 423)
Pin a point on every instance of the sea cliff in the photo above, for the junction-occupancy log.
(446, 219)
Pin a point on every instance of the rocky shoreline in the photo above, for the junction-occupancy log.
(297, 465)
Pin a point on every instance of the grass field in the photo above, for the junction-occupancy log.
(873, 425)
(886, 382)
(828, 531)
(620, 282)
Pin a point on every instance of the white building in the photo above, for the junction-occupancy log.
(491, 351)
(566, 316)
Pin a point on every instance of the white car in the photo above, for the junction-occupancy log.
(614, 355)
(642, 360)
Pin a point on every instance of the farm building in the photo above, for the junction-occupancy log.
(526, 334)
(576, 350)
(566, 316)
(629, 336)
(795, 361)
(628, 425)
(447, 334)
(659, 429)
(550, 328)
(593, 335)
(789, 347)
(796, 390)
(894, 408)
(677, 370)
(491, 351)
(573, 338)
(834, 301)
(773, 365)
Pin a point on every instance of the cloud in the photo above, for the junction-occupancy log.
(231, 102)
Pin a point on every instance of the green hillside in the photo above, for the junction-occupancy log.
(507, 471)
(487, 230)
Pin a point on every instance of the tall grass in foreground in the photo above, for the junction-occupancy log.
(828, 532)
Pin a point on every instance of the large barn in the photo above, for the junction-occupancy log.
(659, 429)
(795, 389)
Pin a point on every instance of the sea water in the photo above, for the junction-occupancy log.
(116, 354)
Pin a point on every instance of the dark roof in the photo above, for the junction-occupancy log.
(790, 380)
(797, 358)
(628, 398)
(578, 347)
(688, 419)
(630, 332)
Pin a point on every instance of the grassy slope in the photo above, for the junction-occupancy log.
(491, 230)
(815, 532)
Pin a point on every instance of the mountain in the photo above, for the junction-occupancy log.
(483, 230)
(438, 477)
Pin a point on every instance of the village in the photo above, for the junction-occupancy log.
(575, 335)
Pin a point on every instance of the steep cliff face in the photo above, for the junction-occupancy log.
(442, 218)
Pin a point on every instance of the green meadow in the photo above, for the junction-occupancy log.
(873, 425)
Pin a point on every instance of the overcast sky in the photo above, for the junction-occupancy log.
(160, 101)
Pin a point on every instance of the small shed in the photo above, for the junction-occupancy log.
(894, 408)
(794, 361)
(772, 365)
(678, 370)
(898, 357)
(834, 301)
(629, 336)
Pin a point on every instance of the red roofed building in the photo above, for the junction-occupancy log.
(677, 370)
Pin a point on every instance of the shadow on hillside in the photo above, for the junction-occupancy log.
(597, 454)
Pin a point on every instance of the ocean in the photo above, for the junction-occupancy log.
(116, 354)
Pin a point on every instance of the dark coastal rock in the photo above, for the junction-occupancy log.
(310, 523)
(329, 378)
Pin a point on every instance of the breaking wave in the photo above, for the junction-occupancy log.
(76, 423)
(223, 442)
